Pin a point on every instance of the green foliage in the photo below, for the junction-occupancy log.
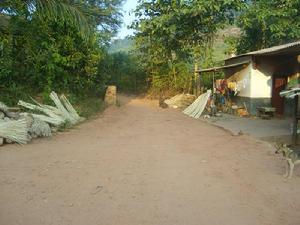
(266, 23)
(126, 73)
(121, 45)
(231, 45)
(172, 35)
(63, 10)
(87, 106)
(45, 47)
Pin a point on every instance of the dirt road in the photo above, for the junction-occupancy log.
(142, 165)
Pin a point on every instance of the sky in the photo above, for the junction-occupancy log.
(128, 17)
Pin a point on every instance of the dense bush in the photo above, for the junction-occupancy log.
(55, 45)
(126, 73)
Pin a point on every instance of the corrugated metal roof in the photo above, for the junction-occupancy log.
(271, 50)
(266, 51)
(223, 67)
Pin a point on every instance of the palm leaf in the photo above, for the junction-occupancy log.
(62, 10)
(4, 22)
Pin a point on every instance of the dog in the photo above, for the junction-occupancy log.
(291, 156)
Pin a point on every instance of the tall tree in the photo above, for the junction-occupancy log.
(63, 10)
(100, 14)
(171, 33)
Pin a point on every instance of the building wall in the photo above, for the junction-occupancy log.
(255, 80)
(243, 79)
(261, 81)
(254, 85)
(281, 66)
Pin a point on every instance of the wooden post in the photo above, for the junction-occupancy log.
(295, 121)
(196, 79)
(213, 80)
(199, 84)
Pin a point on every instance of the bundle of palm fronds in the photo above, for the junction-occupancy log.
(66, 110)
(5, 109)
(57, 116)
(70, 108)
(14, 130)
(50, 115)
(39, 128)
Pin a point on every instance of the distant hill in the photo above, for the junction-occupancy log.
(121, 45)
(220, 46)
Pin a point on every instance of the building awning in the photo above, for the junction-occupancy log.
(213, 69)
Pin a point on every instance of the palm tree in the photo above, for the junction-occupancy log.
(65, 10)
(4, 21)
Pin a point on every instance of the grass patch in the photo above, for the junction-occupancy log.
(89, 106)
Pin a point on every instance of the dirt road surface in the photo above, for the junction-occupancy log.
(141, 165)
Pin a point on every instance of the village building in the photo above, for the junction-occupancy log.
(261, 75)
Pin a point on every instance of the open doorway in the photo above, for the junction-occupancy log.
(279, 84)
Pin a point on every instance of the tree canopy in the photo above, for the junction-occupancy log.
(171, 34)
(267, 23)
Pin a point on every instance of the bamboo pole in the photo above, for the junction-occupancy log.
(295, 121)
(196, 68)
